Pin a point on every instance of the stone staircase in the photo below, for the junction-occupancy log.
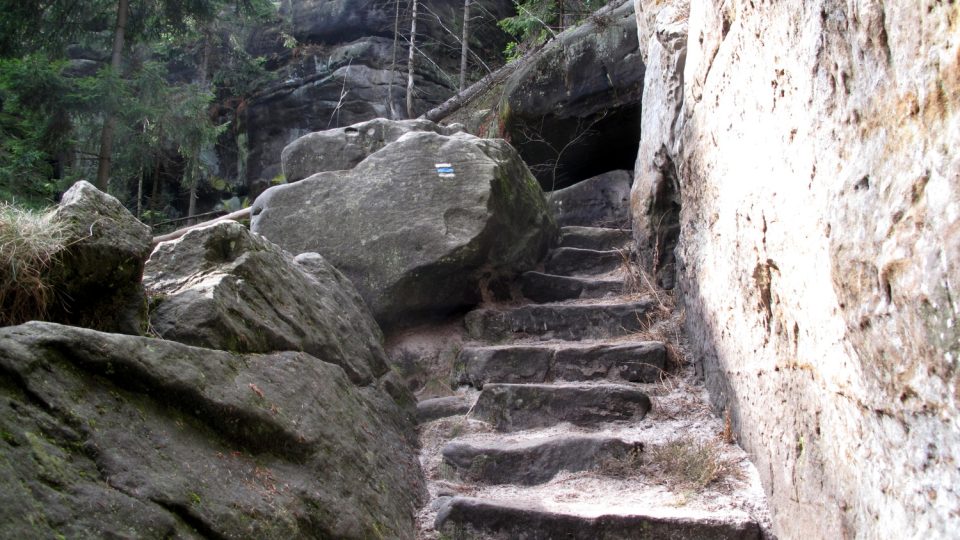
(562, 401)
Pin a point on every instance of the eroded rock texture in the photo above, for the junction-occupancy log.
(417, 241)
(105, 435)
(820, 251)
(223, 287)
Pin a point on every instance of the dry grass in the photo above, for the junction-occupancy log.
(685, 463)
(662, 323)
(692, 463)
(626, 467)
(727, 435)
(29, 244)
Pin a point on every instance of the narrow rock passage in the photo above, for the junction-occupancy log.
(577, 416)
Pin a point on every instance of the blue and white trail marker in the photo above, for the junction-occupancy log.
(444, 170)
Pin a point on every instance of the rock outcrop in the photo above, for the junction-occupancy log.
(417, 225)
(225, 288)
(819, 253)
(106, 435)
(573, 112)
(97, 275)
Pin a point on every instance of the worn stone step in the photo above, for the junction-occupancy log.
(597, 238)
(532, 462)
(442, 407)
(467, 517)
(559, 321)
(641, 361)
(568, 261)
(541, 287)
(514, 407)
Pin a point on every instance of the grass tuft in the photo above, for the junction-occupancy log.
(685, 463)
(692, 463)
(29, 244)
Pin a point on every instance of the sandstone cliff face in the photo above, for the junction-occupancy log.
(819, 258)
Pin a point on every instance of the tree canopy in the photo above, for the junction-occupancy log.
(58, 88)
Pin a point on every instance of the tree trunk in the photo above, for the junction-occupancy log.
(393, 64)
(155, 191)
(109, 121)
(413, 40)
(464, 45)
(141, 171)
(195, 161)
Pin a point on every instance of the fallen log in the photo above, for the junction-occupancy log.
(457, 102)
(233, 216)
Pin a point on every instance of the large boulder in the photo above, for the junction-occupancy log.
(573, 112)
(417, 241)
(343, 148)
(819, 253)
(226, 288)
(97, 275)
(106, 435)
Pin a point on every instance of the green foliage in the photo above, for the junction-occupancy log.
(533, 22)
(537, 20)
(51, 118)
(35, 106)
(242, 73)
(512, 51)
(29, 27)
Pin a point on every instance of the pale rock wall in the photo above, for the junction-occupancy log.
(819, 258)
(655, 196)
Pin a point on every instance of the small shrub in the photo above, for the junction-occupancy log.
(29, 244)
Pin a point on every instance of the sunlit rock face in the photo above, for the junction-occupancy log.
(818, 177)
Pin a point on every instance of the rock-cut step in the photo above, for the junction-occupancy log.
(599, 320)
(541, 287)
(578, 262)
(466, 517)
(596, 238)
(515, 407)
(532, 462)
(641, 362)
(442, 407)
